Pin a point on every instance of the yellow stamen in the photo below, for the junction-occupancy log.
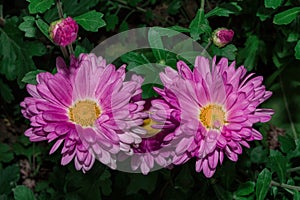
(84, 113)
(147, 126)
(212, 116)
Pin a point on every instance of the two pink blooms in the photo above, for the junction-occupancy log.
(94, 111)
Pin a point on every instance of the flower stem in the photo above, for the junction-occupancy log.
(71, 50)
(283, 185)
(294, 169)
(288, 110)
(64, 52)
(202, 4)
(59, 9)
(206, 47)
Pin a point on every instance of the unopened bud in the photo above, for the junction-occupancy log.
(222, 36)
(64, 31)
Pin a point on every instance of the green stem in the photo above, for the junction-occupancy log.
(125, 3)
(64, 52)
(206, 47)
(202, 3)
(293, 169)
(71, 50)
(59, 9)
(283, 185)
(288, 110)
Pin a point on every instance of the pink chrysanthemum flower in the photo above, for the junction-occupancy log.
(154, 151)
(86, 108)
(218, 106)
(64, 31)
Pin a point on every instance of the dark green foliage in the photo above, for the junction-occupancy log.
(266, 42)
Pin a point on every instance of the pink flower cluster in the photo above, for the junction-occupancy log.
(92, 111)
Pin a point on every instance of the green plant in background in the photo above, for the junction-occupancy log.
(266, 41)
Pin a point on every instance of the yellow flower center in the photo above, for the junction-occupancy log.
(147, 126)
(84, 113)
(212, 116)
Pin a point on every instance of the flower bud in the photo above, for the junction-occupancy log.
(64, 31)
(222, 36)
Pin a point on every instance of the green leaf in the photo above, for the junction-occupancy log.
(44, 27)
(111, 22)
(5, 153)
(6, 92)
(39, 6)
(17, 54)
(91, 21)
(8, 178)
(277, 164)
(297, 50)
(28, 26)
(254, 48)
(184, 180)
(264, 13)
(78, 7)
(245, 189)
(142, 182)
(221, 193)
(224, 10)
(287, 16)
(84, 46)
(195, 25)
(156, 44)
(106, 182)
(263, 183)
(258, 155)
(287, 143)
(174, 7)
(30, 77)
(179, 29)
(228, 51)
(273, 3)
(21, 192)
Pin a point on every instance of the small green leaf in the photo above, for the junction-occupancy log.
(141, 182)
(264, 13)
(90, 21)
(5, 152)
(229, 51)
(21, 192)
(16, 54)
(221, 193)
(156, 44)
(287, 143)
(30, 77)
(258, 154)
(263, 183)
(277, 164)
(6, 92)
(111, 22)
(254, 48)
(28, 26)
(184, 180)
(39, 6)
(174, 7)
(78, 7)
(287, 16)
(224, 10)
(297, 50)
(8, 178)
(245, 189)
(195, 25)
(273, 3)
(44, 27)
